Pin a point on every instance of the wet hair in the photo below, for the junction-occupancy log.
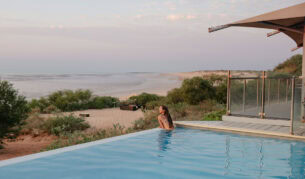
(168, 116)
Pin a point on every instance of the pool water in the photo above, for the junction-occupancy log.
(182, 153)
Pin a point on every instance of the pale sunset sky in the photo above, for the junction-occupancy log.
(102, 36)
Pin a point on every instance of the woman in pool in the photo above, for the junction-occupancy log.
(165, 119)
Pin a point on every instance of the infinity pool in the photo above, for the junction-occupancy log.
(182, 153)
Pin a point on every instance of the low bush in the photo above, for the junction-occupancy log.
(214, 116)
(175, 96)
(144, 98)
(34, 125)
(63, 125)
(68, 100)
(149, 121)
(79, 137)
(13, 109)
(101, 102)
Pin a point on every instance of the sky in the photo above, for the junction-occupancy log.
(102, 36)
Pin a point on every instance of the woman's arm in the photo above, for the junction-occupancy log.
(160, 122)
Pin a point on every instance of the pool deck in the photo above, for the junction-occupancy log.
(248, 126)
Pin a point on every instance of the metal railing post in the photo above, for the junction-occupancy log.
(262, 113)
(269, 86)
(287, 85)
(229, 93)
(292, 105)
(278, 90)
(257, 91)
(244, 95)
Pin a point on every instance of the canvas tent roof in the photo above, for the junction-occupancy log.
(290, 20)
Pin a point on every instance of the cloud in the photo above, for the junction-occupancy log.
(177, 17)
(139, 16)
(56, 26)
(170, 5)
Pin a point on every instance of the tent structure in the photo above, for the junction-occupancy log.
(290, 21)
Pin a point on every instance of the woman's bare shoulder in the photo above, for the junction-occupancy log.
(161, 116)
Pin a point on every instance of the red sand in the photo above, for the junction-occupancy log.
(24, 145)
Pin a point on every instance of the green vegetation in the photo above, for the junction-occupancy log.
(63, 125)
(13, 109)
(192, 101)
(59, 125)
(144, 98)
(292, 66)
(68, 100)
(84, 137)
(214, 116)
(197, 89)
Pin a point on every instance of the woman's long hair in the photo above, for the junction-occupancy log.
(168, 116)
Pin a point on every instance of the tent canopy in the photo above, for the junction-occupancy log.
(290, 20)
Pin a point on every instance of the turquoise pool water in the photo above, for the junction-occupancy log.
(182, 153)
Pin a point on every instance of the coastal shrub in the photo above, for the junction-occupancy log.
(196, 89)
(156, 104)
(33, 125)
(62, 125)
(149, 121)
(219, 83)
(101, 102)
(40, 104)
(292, 66)
(51, 109)
(221, 92)
(68, 100)
(79, 137)
(13, 109)
(144, 98)
(175, 96)
(178, 110)
(214, 116)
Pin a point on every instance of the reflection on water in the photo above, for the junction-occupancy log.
(291, 157)
(228, 157)
(297, 160)
(164, 139)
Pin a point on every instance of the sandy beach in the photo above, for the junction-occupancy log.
(105, 118)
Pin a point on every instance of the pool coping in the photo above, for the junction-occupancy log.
(71, 148)
(240, 131)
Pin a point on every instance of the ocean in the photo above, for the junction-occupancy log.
(117, 85)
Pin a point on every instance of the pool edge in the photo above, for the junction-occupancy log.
(71, 148)
(242, 131)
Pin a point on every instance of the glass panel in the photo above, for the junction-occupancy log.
(245, 97)
(298, 122)
(277, 98)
